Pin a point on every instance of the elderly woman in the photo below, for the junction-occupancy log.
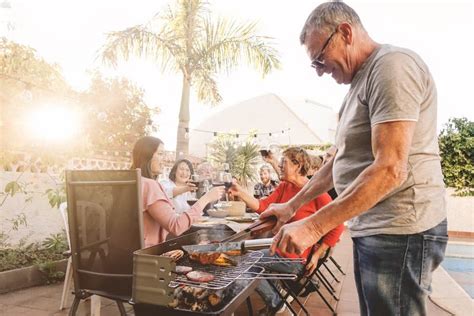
(177, 187)
(159, 215)
(294, 166)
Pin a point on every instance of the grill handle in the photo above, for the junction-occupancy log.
(263, 226)
(253, 244)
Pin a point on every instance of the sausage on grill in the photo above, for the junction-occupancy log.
(174, 254)
(204, 257)
(200, 276)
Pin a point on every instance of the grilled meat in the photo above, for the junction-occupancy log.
(174, 254)
(183, 269)
(200, 276)
(204, 257)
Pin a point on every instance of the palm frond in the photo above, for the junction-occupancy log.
(227, 42)
(140, 41)
(206, 87)
(246, 162)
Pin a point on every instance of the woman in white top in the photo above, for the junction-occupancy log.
(178, 188)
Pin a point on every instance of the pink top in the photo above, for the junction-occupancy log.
(159, 215)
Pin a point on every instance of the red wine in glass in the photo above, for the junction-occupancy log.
(191, 201)
(196, 183)
(227, 185)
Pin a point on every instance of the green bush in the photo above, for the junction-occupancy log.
(34, 254)
(456, 143)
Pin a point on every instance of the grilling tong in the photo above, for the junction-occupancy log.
(236, 242)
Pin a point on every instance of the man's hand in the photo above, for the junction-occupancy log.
(296, 237)
(282, 211)
(317, 254)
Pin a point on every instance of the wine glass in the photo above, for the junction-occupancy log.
(218, 179)
(194, 179)
(226, 167)
(205, 185)
(227, 179)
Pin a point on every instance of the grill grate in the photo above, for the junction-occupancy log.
(224, 276)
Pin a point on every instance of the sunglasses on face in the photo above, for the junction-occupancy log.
(318, 62)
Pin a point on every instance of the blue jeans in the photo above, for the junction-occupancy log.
(393, 272)
(264, 289)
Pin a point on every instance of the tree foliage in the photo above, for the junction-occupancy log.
(26, 81)
(114, 110)
(116, 114)
(456, 143)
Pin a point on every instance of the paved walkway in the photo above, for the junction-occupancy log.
(44, 300)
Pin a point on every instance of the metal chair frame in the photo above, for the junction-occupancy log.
(76, 179)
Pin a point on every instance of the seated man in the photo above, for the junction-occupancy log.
(293, 170)
(267, 185)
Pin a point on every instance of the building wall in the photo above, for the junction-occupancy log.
(42, 219)
(460, 212)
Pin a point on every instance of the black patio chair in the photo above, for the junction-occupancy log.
(303, 286)
(105, 225)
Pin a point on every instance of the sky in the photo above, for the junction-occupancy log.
(70, 33)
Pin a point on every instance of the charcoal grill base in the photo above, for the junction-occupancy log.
(227, 309)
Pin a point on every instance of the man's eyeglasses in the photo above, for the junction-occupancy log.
(317, 62)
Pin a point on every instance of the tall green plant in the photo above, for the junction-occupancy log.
(186, 39)
(456, 143)
(242, 158)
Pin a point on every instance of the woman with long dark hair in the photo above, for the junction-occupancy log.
(178, 187)
(159, 215)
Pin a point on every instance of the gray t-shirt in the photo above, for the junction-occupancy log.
(394, 84)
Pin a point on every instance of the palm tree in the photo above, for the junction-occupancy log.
(184, 38)
(242, 159)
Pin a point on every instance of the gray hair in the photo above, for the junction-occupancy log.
(327, 16)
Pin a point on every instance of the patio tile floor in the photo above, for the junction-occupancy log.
(44, 300)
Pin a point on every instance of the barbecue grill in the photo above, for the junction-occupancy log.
(155, 283)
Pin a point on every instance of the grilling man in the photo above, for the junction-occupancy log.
(386, 171)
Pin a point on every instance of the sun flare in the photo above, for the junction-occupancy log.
(53, 123)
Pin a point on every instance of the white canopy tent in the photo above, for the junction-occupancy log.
(291, 122)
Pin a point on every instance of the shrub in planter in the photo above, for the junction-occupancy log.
(33, 254)
(50, 272)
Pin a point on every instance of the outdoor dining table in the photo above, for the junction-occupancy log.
(236, 224)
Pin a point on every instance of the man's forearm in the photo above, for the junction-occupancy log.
(321, 182)
(367, 190)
